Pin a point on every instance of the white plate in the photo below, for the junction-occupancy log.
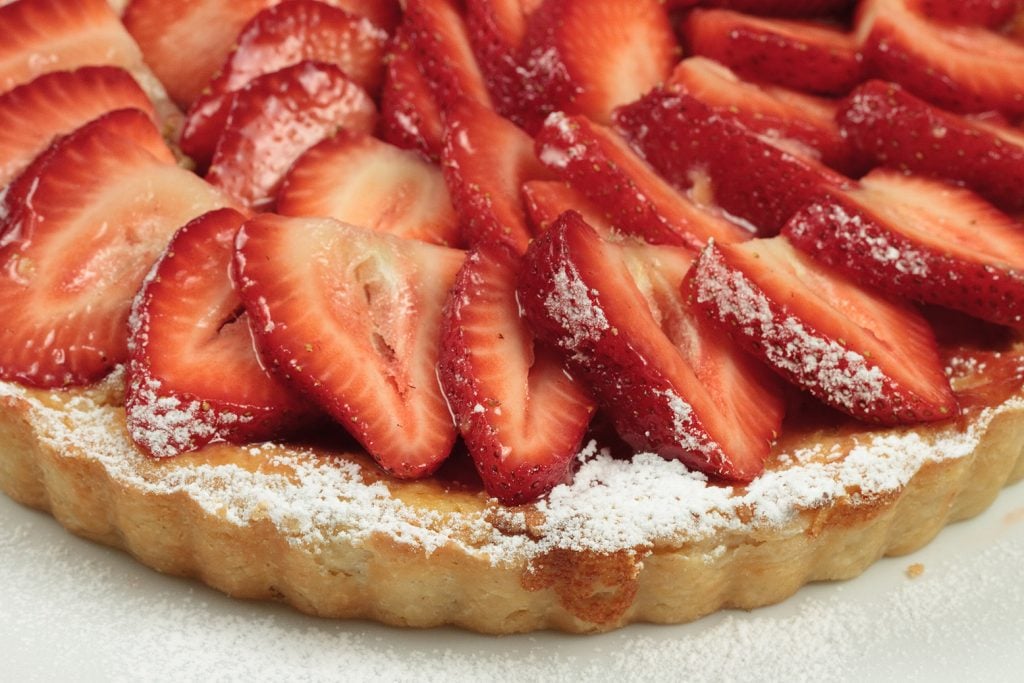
(74, 610)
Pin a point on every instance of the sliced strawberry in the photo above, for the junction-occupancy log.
(276, 118)
(904, 132)
(962, 68)
(353, 318)
(409, 116)
(57, 103)
(849, 346)
(277, 37)
(923, 240)
(40, 36)
(815, 58)
(100, 209)
(521, 415)
(785, 8)
(598, 163)
(440, 40)
(184, 44)
(546, 200)
(751, 176)
(496, 29)
(668, 380)
(357, 179)
(787, 117)
(193, 376)
(486, 159)
(990, 13)
(589, 56)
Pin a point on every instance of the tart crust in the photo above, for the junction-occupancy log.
(427, 553)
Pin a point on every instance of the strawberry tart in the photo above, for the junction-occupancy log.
(511, 314)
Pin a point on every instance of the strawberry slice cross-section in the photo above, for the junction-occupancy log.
(57, 103)
(521, 414)
(921, 239)
(358, 179)
(599, 163)
(79, 237)
(671, 383)
(193, 375)
(486, 159)
(849, 346)
(409, 115)
(276, 118)
(278, 37)
(352, 318)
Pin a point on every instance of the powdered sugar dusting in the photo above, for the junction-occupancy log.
(611, 505)
(843, 375)
(573, 305)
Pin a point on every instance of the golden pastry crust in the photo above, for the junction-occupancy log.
(426, 553)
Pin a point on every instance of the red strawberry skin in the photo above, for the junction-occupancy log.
(440, 40)
(990, 13)
(496, 30)
(779, 114)
(276, 118)
(358, 179)
(747, 175)
(785, 8)
(589, 56)
(923, 240)
(579, 296)
(352, 319)
(803, 56)
(486, 159)
(278, 37)
(193, 375)
(599, 163)
(904, 132)
(520, 413)
(959, 68)
(409, 116)
(867, 356)
(57, 103)
(66, 309)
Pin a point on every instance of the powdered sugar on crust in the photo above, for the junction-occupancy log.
(845, 376)
(611, 505)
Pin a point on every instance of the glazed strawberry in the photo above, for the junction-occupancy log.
(57, 103)
(277, 117)
(923, 240)
(440, 41)
(670, 382)
(961, 68)
(598, 163)
(903, 132)
(186, 44)
(990, 13)
(749, 175)
(409, 116)
(849, 346)
(785, 8)
(815, 58)
(521, 415)
(358, 179)
(193, 376)
(785, 116)
(589, 56)
(40, 36)
(496, 29)
(486, 159)
(277, 37)
(546, 200)
(352, 318)
(100, 210)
